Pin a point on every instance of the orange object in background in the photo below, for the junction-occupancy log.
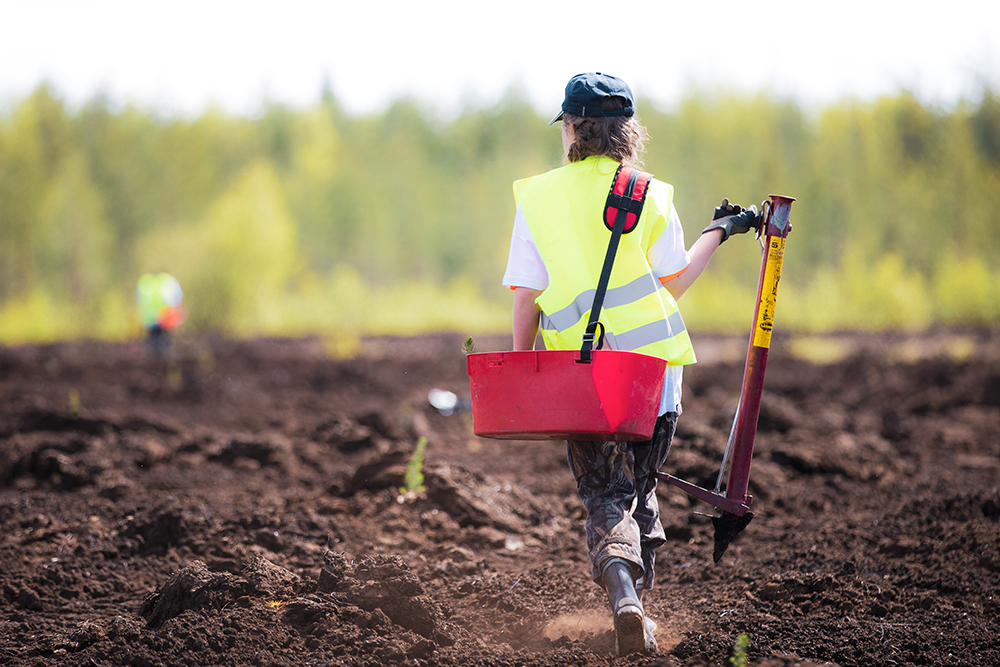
(171, 317)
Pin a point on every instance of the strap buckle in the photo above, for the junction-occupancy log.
(591, 337)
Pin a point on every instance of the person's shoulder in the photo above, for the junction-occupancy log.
(660, 192)
(551, 173)
(545, 176)
(657, 184)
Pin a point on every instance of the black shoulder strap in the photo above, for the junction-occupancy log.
(624, 205)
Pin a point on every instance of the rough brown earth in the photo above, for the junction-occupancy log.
(240, 505)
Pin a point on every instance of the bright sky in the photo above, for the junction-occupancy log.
(183, 55)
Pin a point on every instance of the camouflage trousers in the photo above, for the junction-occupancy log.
(616, 484)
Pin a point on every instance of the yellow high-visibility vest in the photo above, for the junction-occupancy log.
(564, 209)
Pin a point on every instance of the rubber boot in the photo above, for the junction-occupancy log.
(630, 634)
(649, 625)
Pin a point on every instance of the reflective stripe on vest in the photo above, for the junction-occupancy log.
(564, 209)
(619, 296)
(642, 336)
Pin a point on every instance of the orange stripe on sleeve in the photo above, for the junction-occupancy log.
(666, 279)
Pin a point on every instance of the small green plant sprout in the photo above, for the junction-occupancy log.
(414, 477)
(739, 656)
(469, 347)
(74, 403)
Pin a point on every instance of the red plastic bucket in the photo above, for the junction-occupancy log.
(552, 395)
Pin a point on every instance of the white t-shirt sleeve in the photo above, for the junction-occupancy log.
(667, 255)
(525, 267)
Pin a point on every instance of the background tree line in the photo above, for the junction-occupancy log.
(316, 221)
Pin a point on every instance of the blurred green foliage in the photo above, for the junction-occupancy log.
(314, 221)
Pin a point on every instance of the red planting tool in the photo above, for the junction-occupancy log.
(734, 503)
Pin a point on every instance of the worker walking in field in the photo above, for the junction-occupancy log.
(159, 298)
(557, 249)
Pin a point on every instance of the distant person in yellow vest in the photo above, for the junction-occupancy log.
(159, 297)
(557, 251)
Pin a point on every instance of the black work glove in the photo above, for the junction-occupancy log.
(733, 219)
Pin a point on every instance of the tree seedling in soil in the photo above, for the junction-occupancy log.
(414, 477)
(468, 346)
(74, 403)
(739, 656)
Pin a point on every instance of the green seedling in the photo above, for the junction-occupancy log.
(74, 403)
(469, 347)
(739, 656)
(414, 477)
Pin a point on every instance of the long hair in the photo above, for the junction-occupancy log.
(618, 137)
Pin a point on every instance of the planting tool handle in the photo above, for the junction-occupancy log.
(775, 227)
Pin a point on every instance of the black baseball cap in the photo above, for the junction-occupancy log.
(586, 92)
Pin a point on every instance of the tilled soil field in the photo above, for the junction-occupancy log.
(241, 505)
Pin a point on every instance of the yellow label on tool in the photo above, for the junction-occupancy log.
(769, 292)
